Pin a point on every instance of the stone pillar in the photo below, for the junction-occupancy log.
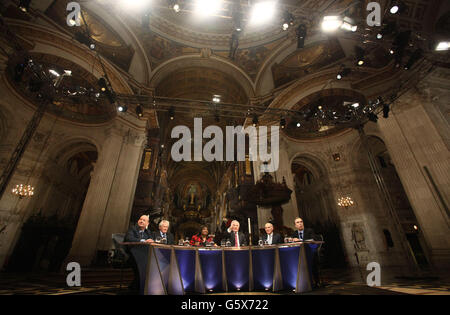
(109, 198)
(414, 143)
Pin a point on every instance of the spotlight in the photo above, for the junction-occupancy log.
(262, 12)
(417, 54)
(207, 7)
(288, 20)
(386, 110)
(391, 51)
(171, 113)
(237, 18)
(103, 84)
(359, 55)
(282, 123)
(139, 111)
(175, 5)
(331, 23)
(372, 117)
(255, 120)
(442, 46)
(216, 99)
(298, 125)
(349, 25)
(54, 72)
(122, 108)
(301, 34)
(397, 6)
(24, 5)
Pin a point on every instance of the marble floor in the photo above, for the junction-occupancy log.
(113, 282)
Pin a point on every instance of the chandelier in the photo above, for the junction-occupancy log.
(346, 201)
(23, 190)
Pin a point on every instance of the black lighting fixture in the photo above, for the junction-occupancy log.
(372, 117)
(35, 84)
(343, 73)
(171, 113)
(234, 43)
(18, 71)
(139, 111)
(288, 20)
(103, 85)
(301, 35)
(122, 108)
(24, 5)
(386, 110)
(255, 120)
(416, 55)
(216, 117)
(360, 53)
(282, 123)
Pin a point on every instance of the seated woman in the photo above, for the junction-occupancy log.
(201, 238)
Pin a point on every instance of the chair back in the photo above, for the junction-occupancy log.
(119, 251)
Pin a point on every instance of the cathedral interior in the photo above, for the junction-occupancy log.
(89, 104)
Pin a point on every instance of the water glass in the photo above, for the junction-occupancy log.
(222, 243)
(164, 240)
(260, 243)
(180, 242)
(158, 239)
(266, 242)
(285, 239)
(228, 244)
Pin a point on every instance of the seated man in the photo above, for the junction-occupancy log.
(163, 232)
(270, 236)
(236, 238)
(305, 234)
(138, 233)
(302, 233)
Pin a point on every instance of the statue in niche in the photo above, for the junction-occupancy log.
(358, 238)
(192, 192)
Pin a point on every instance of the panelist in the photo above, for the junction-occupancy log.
(163, 232)
(302, 233)
(305, 234)
(201, 238)
(270, 237)
(138, 233)
(237, 238)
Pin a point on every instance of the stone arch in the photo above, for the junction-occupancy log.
(170, 66)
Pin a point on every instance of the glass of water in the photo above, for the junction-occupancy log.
(260, 242)
(180, 242)
(228, 243)
(164, 240)
(222, 243)
(158, 239)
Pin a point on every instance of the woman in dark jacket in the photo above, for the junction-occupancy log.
(201, 238)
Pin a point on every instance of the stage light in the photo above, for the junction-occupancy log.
(394, 9)
(331, 23)
(175, 5)
(301, 35)
(379, 36)
(387, 30)
(122, 108)
(216, 99)
(355, 105)
(443, 46)
(288, 20)
(349, 25)
(359, 55)
(262, 12)
(171, 113)
(391, 51)
(298, 125)
(24, 5)
(68, 72)
(207, 7)
(103, 85)
(139, 111)
(397, 6)
(282, 123)
(255, 120)
(54, 72)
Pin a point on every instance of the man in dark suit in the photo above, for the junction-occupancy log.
(138, 233)
(302, 233)
(271, 237)
(306, 234)
(236, 238)
(163, 232)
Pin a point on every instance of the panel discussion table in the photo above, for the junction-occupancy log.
(172, 269)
